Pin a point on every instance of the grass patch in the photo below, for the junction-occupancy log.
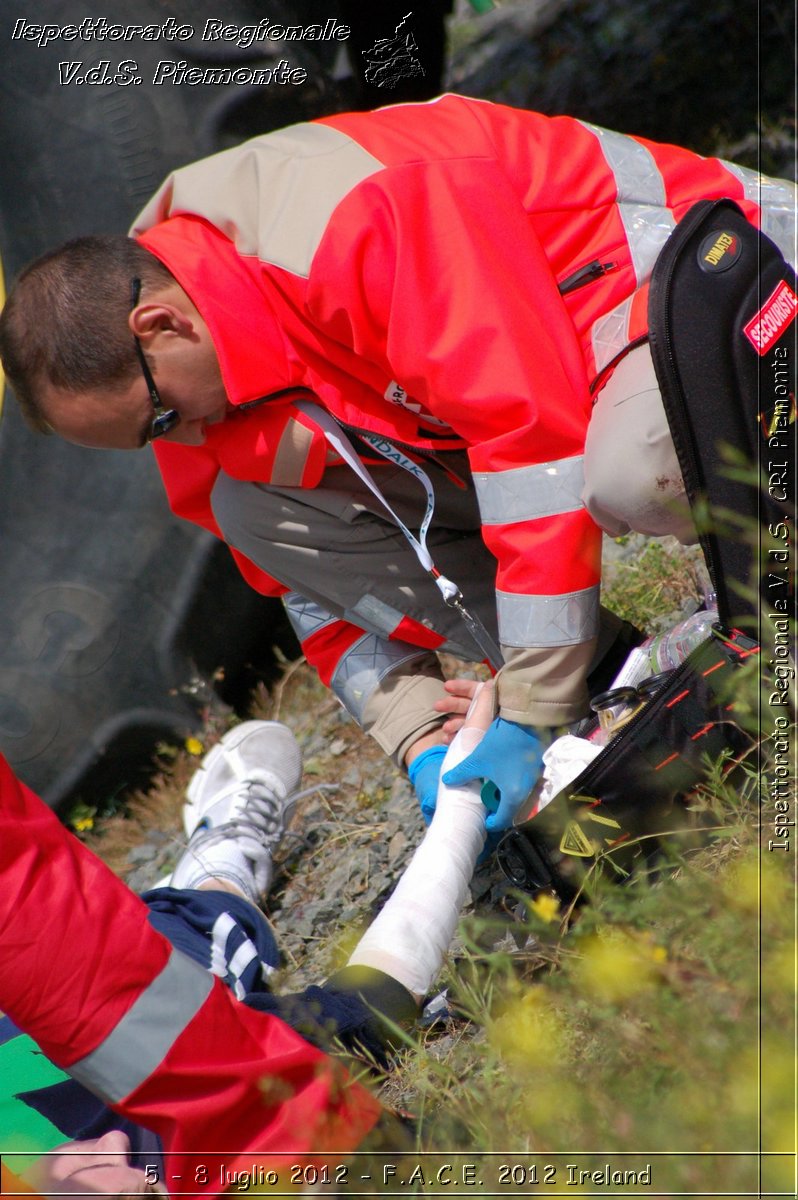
(659, 1020)
(635, 1030)
(655, 584)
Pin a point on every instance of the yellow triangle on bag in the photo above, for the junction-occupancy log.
(576, 842)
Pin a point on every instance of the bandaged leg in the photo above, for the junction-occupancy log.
(409, 938)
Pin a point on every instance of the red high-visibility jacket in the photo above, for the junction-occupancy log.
(445, 274)
(148, 1030)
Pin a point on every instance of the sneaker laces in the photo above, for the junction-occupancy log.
(255, 828)
(258, 819)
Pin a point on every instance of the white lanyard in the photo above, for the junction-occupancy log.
(452, 596)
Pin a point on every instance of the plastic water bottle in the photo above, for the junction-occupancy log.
(667, 650)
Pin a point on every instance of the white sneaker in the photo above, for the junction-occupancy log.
(239, 802)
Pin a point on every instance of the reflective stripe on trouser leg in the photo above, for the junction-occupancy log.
(528, 492)
(563, 620)
(306, 616)
(145, 1034)
(364, 665)
(369, 613)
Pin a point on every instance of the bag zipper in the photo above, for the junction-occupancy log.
(731, 639)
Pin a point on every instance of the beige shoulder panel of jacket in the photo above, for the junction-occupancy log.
(401, 709)
(272, 196)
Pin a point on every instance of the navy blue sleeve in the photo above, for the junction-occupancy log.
(356, 1007)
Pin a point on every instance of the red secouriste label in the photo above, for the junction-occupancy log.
(767, 326)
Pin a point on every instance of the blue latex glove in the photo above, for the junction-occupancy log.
(510, 756)
(424, 773)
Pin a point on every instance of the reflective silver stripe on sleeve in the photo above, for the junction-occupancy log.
(525, 493)
(306, 616)
(642, 202)
(778, 200)
(609, 335)
(563, 620)
(374, 615)
(364, 666)
(147, 1031)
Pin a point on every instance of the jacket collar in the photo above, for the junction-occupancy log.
(231, 294)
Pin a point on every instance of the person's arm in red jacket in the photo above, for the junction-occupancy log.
(458, 303)
(158, 1038)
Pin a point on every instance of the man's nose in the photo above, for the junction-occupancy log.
(113, 1142)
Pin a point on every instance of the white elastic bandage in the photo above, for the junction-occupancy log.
(409, 938)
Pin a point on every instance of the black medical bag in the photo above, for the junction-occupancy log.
(722, 308)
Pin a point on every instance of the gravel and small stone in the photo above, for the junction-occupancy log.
(351, 836)
(349, 841)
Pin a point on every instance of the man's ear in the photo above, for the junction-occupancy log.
(153, 318)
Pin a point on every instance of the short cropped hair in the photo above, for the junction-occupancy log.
(65, 321)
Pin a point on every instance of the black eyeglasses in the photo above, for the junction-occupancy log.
(165, 419)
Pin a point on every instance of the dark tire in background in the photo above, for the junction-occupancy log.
(118, 623)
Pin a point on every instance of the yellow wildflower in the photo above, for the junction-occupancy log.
(546, 906)
(616, 967)
(529, 1033)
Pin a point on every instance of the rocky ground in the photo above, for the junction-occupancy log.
(351, 837)
(356, 830)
